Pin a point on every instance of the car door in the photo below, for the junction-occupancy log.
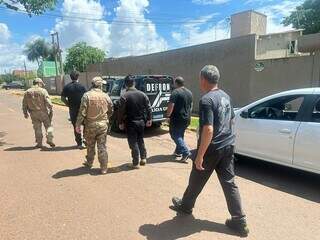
(306, 152)
(267, 131)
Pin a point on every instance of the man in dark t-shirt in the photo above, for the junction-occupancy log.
(214, 152)
(179, 112)
(71, 95)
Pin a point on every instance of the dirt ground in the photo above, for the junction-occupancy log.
(46, 194)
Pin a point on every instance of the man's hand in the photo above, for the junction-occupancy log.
(26, 116)
(149, 123)
(78, 130)
(121, 126)
(198, 162)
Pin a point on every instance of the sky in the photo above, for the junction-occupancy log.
(130, 27)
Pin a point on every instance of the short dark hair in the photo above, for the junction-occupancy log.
(129, 81)
(74, 75)
(210, 73)
(179, 81)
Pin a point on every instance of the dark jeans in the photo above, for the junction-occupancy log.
(135, 132)
(177, 135)
(73, 118)
(222, 161)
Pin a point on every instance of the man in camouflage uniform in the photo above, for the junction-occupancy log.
(36, 102)
(95, 110)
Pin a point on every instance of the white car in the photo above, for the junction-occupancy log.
(283, 128)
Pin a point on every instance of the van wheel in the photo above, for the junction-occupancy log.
(157, 125)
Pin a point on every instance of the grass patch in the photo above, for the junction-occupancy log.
(194, 123)
(57, 100)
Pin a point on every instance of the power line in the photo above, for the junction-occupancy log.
(115, 21)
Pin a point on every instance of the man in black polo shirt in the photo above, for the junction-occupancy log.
(134, 115)
(179, 112)
(215, 151)
(71, 95)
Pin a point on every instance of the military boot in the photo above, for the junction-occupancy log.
(239, 226)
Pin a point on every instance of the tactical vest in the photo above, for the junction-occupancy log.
(97, 106)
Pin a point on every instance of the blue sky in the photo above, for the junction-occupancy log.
(131, 27)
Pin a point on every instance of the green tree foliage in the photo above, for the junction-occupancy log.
(80, 55)
(39, 50)
(8, 78)
(306, 16)
(36, 7)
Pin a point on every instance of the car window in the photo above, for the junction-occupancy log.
(283, 108)
(316, 112)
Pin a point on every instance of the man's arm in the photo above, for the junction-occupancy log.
(110, 106)
(172, 101)
(207, 119)
(48, 103)
(82, 112)
(170, 109)
(206, 137)
(121, 110)
(65, 100)
(25, 106)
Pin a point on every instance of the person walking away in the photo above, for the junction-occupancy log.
(96, 108)
(179, 112)
(134, 115)
(214, 152)
(36, 103)
(71, 96)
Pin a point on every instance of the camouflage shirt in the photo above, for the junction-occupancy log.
(96, 108)
(36, 99)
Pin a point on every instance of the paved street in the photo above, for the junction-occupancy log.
(46, 194)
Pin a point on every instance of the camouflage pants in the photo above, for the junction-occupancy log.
(97, 136)
(39, 118)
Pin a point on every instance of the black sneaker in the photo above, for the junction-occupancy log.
(185, 158)
(177, 155)
(178, 207)
(239, 226)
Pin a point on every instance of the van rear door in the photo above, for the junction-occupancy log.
(158, 89)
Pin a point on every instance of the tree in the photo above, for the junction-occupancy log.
(80, 55)
(306, 16)
(39, 50)
(36, 7)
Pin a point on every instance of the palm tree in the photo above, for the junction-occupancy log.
(38, 50)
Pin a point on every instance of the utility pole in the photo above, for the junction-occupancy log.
(54, 52)
(57, 50)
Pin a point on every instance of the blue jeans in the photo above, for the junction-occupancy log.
(177, 135)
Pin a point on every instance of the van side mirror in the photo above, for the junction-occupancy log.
(244, 114)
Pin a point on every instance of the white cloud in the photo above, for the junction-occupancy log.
(276, 14)
(200, 31)
(137, 37)
(12, 56)
(209, 2)
(4, 33)
(83, 21)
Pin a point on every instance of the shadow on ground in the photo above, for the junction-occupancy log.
(45, 149)
(295, 182)
(149, 133)
(181, 226)
(18, 149)
(59, 148)
(86, 171)
(2, 140)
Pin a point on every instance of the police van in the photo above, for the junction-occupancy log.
(158, 88)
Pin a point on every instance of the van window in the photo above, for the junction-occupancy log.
(116, 88)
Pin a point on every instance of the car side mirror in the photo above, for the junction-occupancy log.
(244, 114)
